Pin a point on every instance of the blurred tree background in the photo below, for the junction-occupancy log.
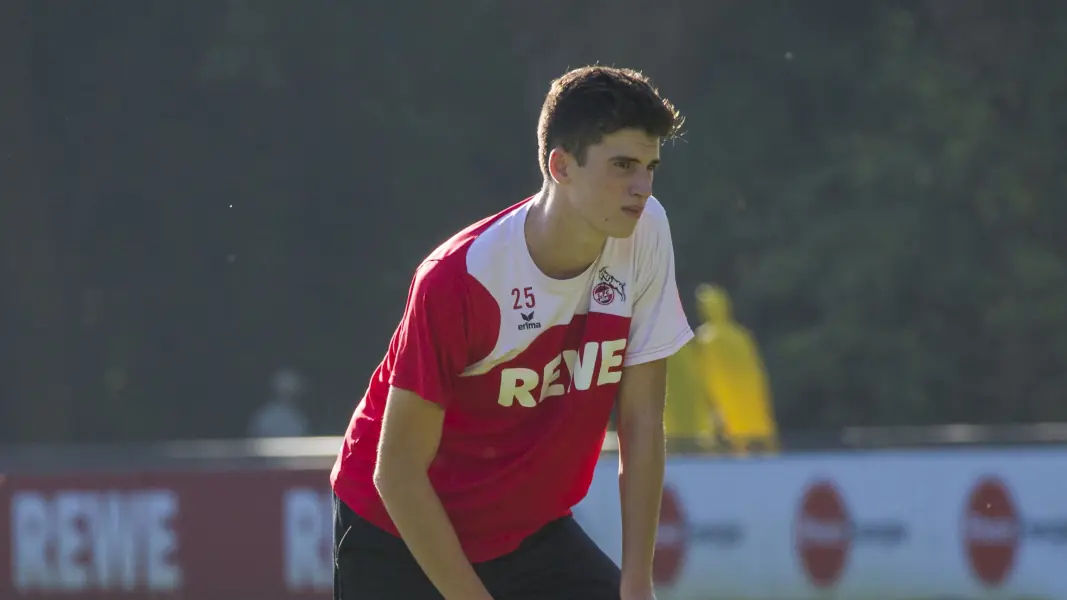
(195, 193)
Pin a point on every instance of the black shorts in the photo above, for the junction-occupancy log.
(558, 562)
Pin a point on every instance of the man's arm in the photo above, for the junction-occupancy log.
(411, 432)
(642, 454)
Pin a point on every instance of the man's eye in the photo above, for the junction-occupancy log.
(623, 164)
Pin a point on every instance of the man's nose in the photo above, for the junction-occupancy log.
(641, 185)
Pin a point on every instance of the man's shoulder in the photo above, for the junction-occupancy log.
(653, 218)
(652, 236)
(455, 247)
(447, 265)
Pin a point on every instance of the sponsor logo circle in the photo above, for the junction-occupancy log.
(991, 531)
(822, 534)
(670, 539)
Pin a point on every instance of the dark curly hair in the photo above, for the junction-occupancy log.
(588, 103)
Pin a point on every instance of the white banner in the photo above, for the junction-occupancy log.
(906, 525)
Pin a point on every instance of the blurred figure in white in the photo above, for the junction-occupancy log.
(281, 415)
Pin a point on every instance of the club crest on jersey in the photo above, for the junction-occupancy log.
(607, 288)
(528, 322)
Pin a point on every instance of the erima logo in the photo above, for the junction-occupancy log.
(528, 322)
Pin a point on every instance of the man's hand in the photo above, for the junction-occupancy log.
(637, 592)
(642, 454)
(411, 432)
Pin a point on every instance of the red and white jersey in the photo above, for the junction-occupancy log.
(526, 368)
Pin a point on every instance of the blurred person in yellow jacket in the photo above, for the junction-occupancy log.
(717, 386)
(689, 417)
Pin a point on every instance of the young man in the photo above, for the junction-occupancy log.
(481, 428)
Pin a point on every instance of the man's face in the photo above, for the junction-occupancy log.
(610, 190)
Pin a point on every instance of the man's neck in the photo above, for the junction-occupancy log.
(561, 243)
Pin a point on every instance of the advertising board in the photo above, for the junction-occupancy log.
(906, 525)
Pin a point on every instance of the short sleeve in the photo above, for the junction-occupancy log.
(429, 348)
(659, 327)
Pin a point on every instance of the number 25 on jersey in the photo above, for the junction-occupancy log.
(524, 297)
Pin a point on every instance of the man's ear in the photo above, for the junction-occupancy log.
(559, 164)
